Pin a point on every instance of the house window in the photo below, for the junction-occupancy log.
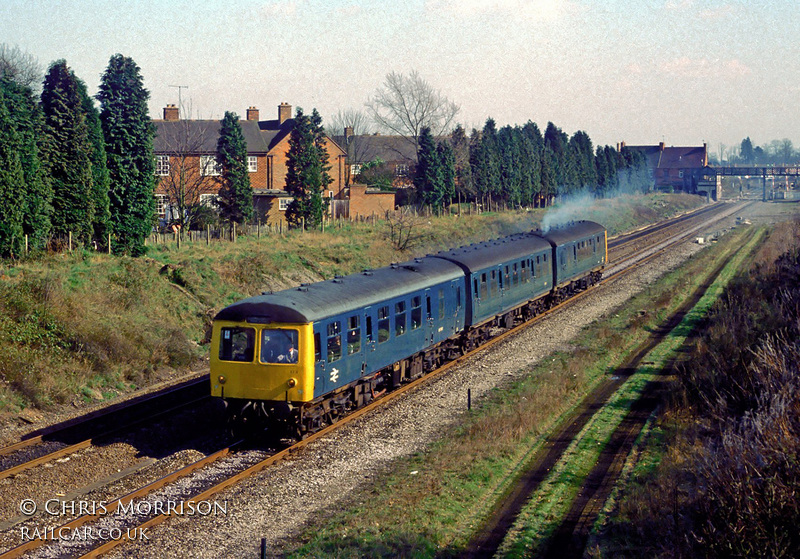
(283, 203)
(162, 165)
(401, 170)
(252, 163)
(209, 200)
(355, 169)
(161, 205)
(209, 166)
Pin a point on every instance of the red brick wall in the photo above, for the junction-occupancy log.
(364, 204)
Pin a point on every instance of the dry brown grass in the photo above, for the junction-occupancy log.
(727, 484)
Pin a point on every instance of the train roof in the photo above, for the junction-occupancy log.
(316, 301)
(574, 230)
(478, 256)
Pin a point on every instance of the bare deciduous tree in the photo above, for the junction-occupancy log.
(186, 179)
(350, 126)
(20, 67)
(404, 105)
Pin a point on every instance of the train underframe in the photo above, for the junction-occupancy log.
(285, 420)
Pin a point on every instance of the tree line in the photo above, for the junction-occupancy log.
(71, 169)
(519, 166)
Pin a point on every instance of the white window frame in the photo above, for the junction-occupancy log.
(162, 202)
(252, 163)
(355, 169)
(401, 170)
(283, 203)
(162, 165)
(209, 167)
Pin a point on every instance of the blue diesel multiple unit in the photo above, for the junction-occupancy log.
(299, 358)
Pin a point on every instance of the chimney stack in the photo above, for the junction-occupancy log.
(348, 133)
(661, 146)
(171, 113)
(284, 112)
(252, 113)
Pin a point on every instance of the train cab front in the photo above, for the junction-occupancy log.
(263, 373)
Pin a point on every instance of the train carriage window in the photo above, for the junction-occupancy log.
(369, 329)
(458, 298)
(574, 252)
(317, 350)
(353, 335)
(416, 312)
(441, 304)
(515, 274)
(484, 287)
(475, 290)
(500, 279)
(237, 344)
(278, 345)
(493, 285)
(594, 245)
(334, 341)
(524, 271)
(399, 318)
(383, 324)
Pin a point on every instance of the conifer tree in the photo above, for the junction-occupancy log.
(464, 186)
(25, 119)
(12, 183)
(428, 178)
(67, 149)
(235, 194)
(128, 133)
(97, 156)
(307, 170)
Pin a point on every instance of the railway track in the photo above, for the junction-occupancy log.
(245, 468)
(77, 434)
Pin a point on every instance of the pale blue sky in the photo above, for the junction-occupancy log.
(642, 71)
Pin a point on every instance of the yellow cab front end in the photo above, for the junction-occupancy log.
(262, 362)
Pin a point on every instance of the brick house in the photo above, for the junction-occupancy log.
(185, 152)
(675, 168)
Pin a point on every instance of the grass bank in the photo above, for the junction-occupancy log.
(82, 327)
(720, 476)
(461, 477)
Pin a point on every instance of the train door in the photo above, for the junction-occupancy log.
(429, 320)
(320, 364)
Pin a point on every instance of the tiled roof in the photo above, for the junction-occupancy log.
(658, 157)
(388, 148)
(200, 136)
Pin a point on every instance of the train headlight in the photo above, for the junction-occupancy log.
(221, 379)
(292, 382)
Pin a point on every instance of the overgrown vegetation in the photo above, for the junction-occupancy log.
(727, 483)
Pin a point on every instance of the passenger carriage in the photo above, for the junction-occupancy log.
(345, 331)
